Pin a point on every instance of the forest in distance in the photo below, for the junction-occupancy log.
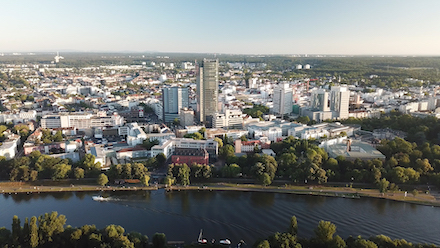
(50, 230)
(392, 70)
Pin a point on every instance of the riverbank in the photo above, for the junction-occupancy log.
(317, 190)
(63, 186)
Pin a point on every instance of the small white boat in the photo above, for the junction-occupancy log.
(201, 240)
(225, 242)
(100, 198)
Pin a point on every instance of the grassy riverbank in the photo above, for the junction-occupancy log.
(63, 186)
(318, 190)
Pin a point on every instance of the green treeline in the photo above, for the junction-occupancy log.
(39, 166)
(324, 236)
(49, 230)
(415, 161)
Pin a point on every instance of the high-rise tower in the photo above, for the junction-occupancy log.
(339, 99)
(282, 99)
(173, 100)
(207, 91)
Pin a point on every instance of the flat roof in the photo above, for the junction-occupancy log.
(359, 150)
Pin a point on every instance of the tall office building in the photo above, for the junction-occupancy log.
(173, 100)
(320, 100)
(282, 99)
(339, 101)
(207, 91)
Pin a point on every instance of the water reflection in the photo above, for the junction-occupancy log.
(236, 215)
(62, 195)
(185, 201)
(80, 195)
(380, 205)
(204, 196)
(262, 199)
(315, 201)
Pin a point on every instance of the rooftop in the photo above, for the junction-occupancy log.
(359, 150)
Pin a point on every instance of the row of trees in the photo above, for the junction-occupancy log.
(324, 236)
(303, 161)
(296, 159)
(419, 130)
(48, 230)
(183, 174)
(40, 166)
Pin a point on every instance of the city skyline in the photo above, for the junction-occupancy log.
(230, 27)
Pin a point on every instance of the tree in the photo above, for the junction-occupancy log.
(265, 179)
(303, 119)
(195, 136)
(102, 179)
(159, 240)
(227, 151)
(169, 180)
(33, 175)
(183, 176)
(50, 225)
(383, 185)
(202, 131)
(139, 240)
(293, 227)
(60, 171)
(325, 231)
(89, 165)
(16, 231)
(78, 173)
(219, 141)
(148, 144)
(25, 232)
(231, 170)
(161, 159)
(263, 244)
(423, 165)
(58, 137)
(243, 138)
(414, 192)
(145, 179)
(33, 232)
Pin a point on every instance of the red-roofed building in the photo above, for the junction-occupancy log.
(189, 156)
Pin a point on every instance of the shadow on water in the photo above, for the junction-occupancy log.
(81, 195)
(62, 195)
(17, 198)
(259, 199)
(379, 204)
(314, 201)
(185, 200)
(231, 195)
(203, 196)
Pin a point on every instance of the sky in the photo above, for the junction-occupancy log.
(347, 27)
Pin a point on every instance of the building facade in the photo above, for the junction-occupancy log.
(207, 91)
(173, 100)
(282, 99)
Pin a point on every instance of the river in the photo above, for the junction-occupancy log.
(238, 216)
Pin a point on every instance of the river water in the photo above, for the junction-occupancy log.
(238, 216)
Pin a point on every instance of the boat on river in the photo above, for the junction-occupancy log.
(201, 240)
(225, 242)
(100, 198)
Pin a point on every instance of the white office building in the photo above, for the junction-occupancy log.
(282, 99)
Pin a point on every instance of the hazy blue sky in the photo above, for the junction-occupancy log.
(223, 26)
